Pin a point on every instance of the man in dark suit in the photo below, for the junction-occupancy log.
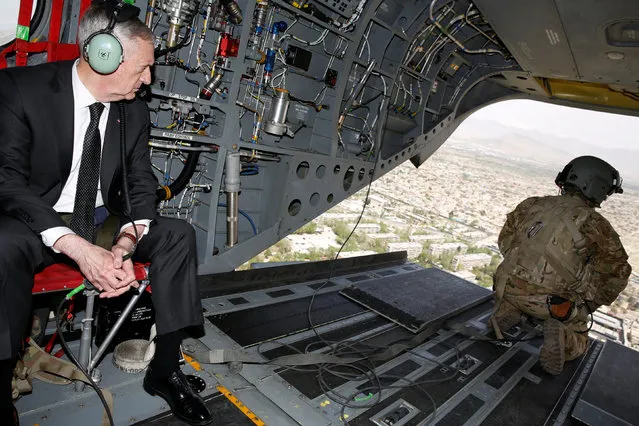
(47, 114)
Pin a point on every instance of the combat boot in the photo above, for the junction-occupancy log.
(506, 317)
(508, 320)
(553, 353)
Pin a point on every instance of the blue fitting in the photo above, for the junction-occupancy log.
(269, 64)
(279, 26)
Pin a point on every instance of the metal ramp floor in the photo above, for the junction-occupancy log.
(462, 381)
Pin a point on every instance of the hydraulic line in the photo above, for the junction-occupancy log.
(457, 42)
(150, 12)
(181, 147)
(246, 215)
(358, 88)
(178, 12)
(178, 185)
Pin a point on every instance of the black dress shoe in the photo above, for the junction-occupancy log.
(185, 403)
(9, 416)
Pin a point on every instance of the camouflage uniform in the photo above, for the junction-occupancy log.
(543, 257)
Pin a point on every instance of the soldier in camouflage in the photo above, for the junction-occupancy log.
(562, 261)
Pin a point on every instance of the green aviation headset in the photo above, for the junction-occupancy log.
(103, 50)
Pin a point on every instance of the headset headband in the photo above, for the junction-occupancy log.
(120, 11)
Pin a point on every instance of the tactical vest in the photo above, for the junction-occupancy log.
(549, 251)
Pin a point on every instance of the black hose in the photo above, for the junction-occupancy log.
(125, 182)
(185, 40)
(161, 52)
(74, 360)
(37, 16)
(178, 185)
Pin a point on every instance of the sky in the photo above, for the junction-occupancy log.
(595, 128)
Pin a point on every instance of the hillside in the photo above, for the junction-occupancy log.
(502, 180)
(537, 147)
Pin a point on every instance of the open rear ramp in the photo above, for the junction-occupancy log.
(445, 378)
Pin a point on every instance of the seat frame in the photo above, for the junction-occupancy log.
(59, 277)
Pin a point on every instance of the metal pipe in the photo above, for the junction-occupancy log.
(123, 316)
(178, 147)
(234, 11)
(150, 13)
(358, 88)
(178, 12)
(261, 10)
(231, 218)
(232, 189)
(172, 37)
(85, 338)
(254, 155)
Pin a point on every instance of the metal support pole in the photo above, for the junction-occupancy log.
(231, 218)
(85, 338)
(123, 316)
(232, 189)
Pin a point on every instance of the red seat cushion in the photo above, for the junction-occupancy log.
(61, 276)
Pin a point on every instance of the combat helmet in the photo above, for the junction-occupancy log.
(592, 177)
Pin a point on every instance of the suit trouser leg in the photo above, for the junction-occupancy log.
(21, 253)
(6, 406)
(170, 248)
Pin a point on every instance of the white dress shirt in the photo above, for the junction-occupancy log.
(82, 99)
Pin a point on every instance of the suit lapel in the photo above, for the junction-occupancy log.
(61, 106)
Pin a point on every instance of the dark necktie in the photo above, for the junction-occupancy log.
(86, 190)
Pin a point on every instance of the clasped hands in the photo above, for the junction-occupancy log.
(108, 272)
(105, 269)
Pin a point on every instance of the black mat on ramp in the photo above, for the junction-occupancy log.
(610, 395)
(256, 325)
(417, 299)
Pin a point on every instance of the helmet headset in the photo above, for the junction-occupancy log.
(594, 178)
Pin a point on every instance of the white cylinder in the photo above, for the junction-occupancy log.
(276, 124)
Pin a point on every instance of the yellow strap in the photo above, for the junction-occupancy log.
(243, 408)
(193, 363)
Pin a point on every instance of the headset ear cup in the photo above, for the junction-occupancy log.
(104, 53)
